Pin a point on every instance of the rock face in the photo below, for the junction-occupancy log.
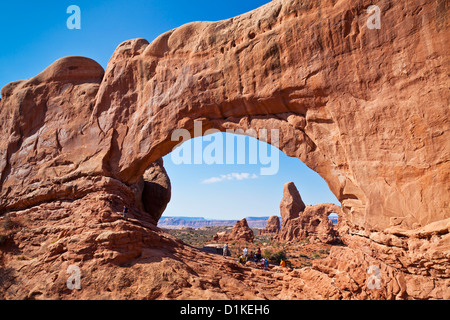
(157, 189)
(75, 142)
(272, 227)
(241, 232)
(301, 221)
(346, 130)
(291, 203)
(312, 223)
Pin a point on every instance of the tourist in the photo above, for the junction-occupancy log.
(258, 254)
(266, 264)
(125, 211)
(225, 250)
(245, 252)
(282, 263)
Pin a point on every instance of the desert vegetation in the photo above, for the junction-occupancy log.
(296, 254)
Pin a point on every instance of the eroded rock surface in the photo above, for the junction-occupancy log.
(291, 204)
(301, 221)
(273, 226)
(312, 223)
(240, 232)
(365, 108)
(157, 189)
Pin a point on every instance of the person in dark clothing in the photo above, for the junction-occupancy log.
(258, 254)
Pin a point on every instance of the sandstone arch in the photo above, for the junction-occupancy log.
(347, 131)
(366, 109)
(278, 80)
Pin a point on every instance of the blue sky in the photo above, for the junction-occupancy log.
(235, 191)
(35, 34)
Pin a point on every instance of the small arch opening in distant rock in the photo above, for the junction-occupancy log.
(333, 217)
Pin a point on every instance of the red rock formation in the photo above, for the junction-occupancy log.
(291, 203)
(157, 189)
(300, 221)
(312, 223)
(75, 142)
(241, 232)
(272, 226)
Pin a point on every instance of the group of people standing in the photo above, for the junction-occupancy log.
(253, 256)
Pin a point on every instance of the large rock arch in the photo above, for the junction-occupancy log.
(326, 83)
(366, 109)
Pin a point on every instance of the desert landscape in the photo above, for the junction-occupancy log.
(83, 184)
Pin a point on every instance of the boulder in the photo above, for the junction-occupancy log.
(157, 190)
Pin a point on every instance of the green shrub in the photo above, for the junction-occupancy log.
(274, 256)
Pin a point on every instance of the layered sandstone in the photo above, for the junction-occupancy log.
(346, 130)
(75, 142)
(157, 189)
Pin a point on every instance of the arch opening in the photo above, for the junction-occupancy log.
(217, 176)
(209, 197)
(334, 218)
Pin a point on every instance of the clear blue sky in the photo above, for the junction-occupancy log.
(34, 34)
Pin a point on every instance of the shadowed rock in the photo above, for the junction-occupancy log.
(157, 189)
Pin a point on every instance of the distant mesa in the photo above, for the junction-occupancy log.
(333, 217)
(200, 222)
